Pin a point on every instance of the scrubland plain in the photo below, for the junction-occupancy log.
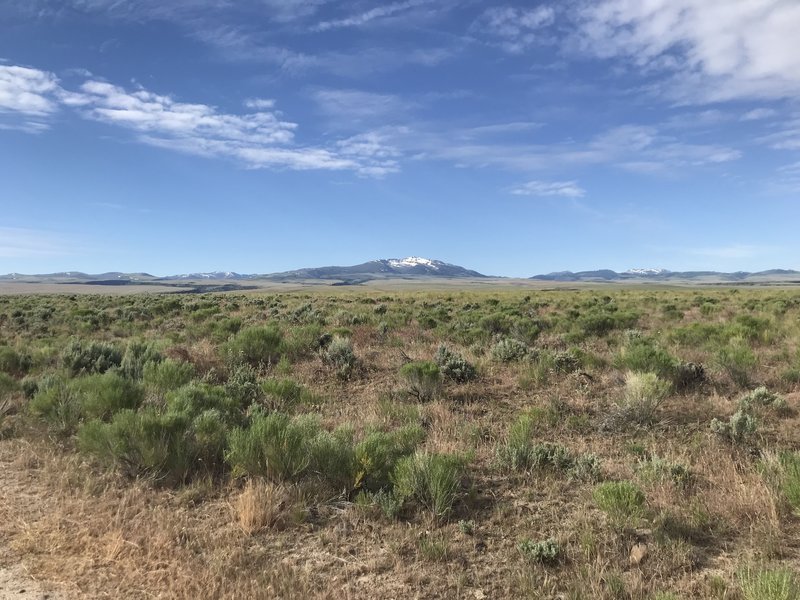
(612, 444)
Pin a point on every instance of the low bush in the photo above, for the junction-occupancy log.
(738, 429)
(432, 480)
(453, 366)
(13, 363)
(643, 394)
(81, 357)
(167, 375)
(339, 355)
(137, 355)
(736, 359)
(284, 394)
(151, 443)
(546, 552)
(258, 347)
(377, 454)
(422, 378)
(509, 350)
(622, 501)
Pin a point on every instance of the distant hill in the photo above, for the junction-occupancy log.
(663, 275)
(410, 267)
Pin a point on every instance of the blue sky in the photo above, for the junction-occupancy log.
(514, 139)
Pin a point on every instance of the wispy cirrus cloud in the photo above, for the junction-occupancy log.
(373, 14)
(513, 29)
(563, 189)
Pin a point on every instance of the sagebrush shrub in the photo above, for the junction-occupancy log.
(284, 394)
(545, 551)
(137, 355)
(737, 360)
(422, 378)
(145, 442)
(738, 429)
(377, 454)
(167, 375)
(453, 366)
(13, 363)
(256, 346)
(509, 350)
(101, 396)
(622, 501)
(643, 395)
(81, 357)
(339, 355)
(432, 480)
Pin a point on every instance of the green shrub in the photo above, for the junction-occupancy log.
(655, 468)
(101, 396)
(762, 397)
(7, 385)
(274, 446)
(167, 375)
(453, 366)
(242, 386)
(339, 355)
(137, 355)
(432, 480)
(546, 552)
(520, 453)
(57, 404)
(768, 584)
(739, 428)
(642, 355)
(377, 454)
(622, 501)
(195, 398)
(422, 379)
(256, 346)
(736, 359)
(285, 394)
(790, 479)
(146, 442)
(644, 393)
(13, 363)
(81, 357)
(509, 350)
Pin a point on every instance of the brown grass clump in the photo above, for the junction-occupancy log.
(263, 505)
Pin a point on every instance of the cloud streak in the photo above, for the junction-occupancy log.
(563, 189)
(258, 139)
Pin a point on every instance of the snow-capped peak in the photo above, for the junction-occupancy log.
(413, 261)
(646, 271)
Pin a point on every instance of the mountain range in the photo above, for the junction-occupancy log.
(412, 267)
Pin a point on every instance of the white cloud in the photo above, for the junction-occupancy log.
(259, 139)
(363, 18)
(713, 50)
(758, 114)
(27, 91)
(564, 189)
(346, 107)
(259, 103)
(515, 29)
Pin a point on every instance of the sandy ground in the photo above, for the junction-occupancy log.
(16, 584)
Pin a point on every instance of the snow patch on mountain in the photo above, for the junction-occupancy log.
(646, 271)
(413, 261)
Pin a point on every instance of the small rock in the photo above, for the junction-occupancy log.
(638, 553)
